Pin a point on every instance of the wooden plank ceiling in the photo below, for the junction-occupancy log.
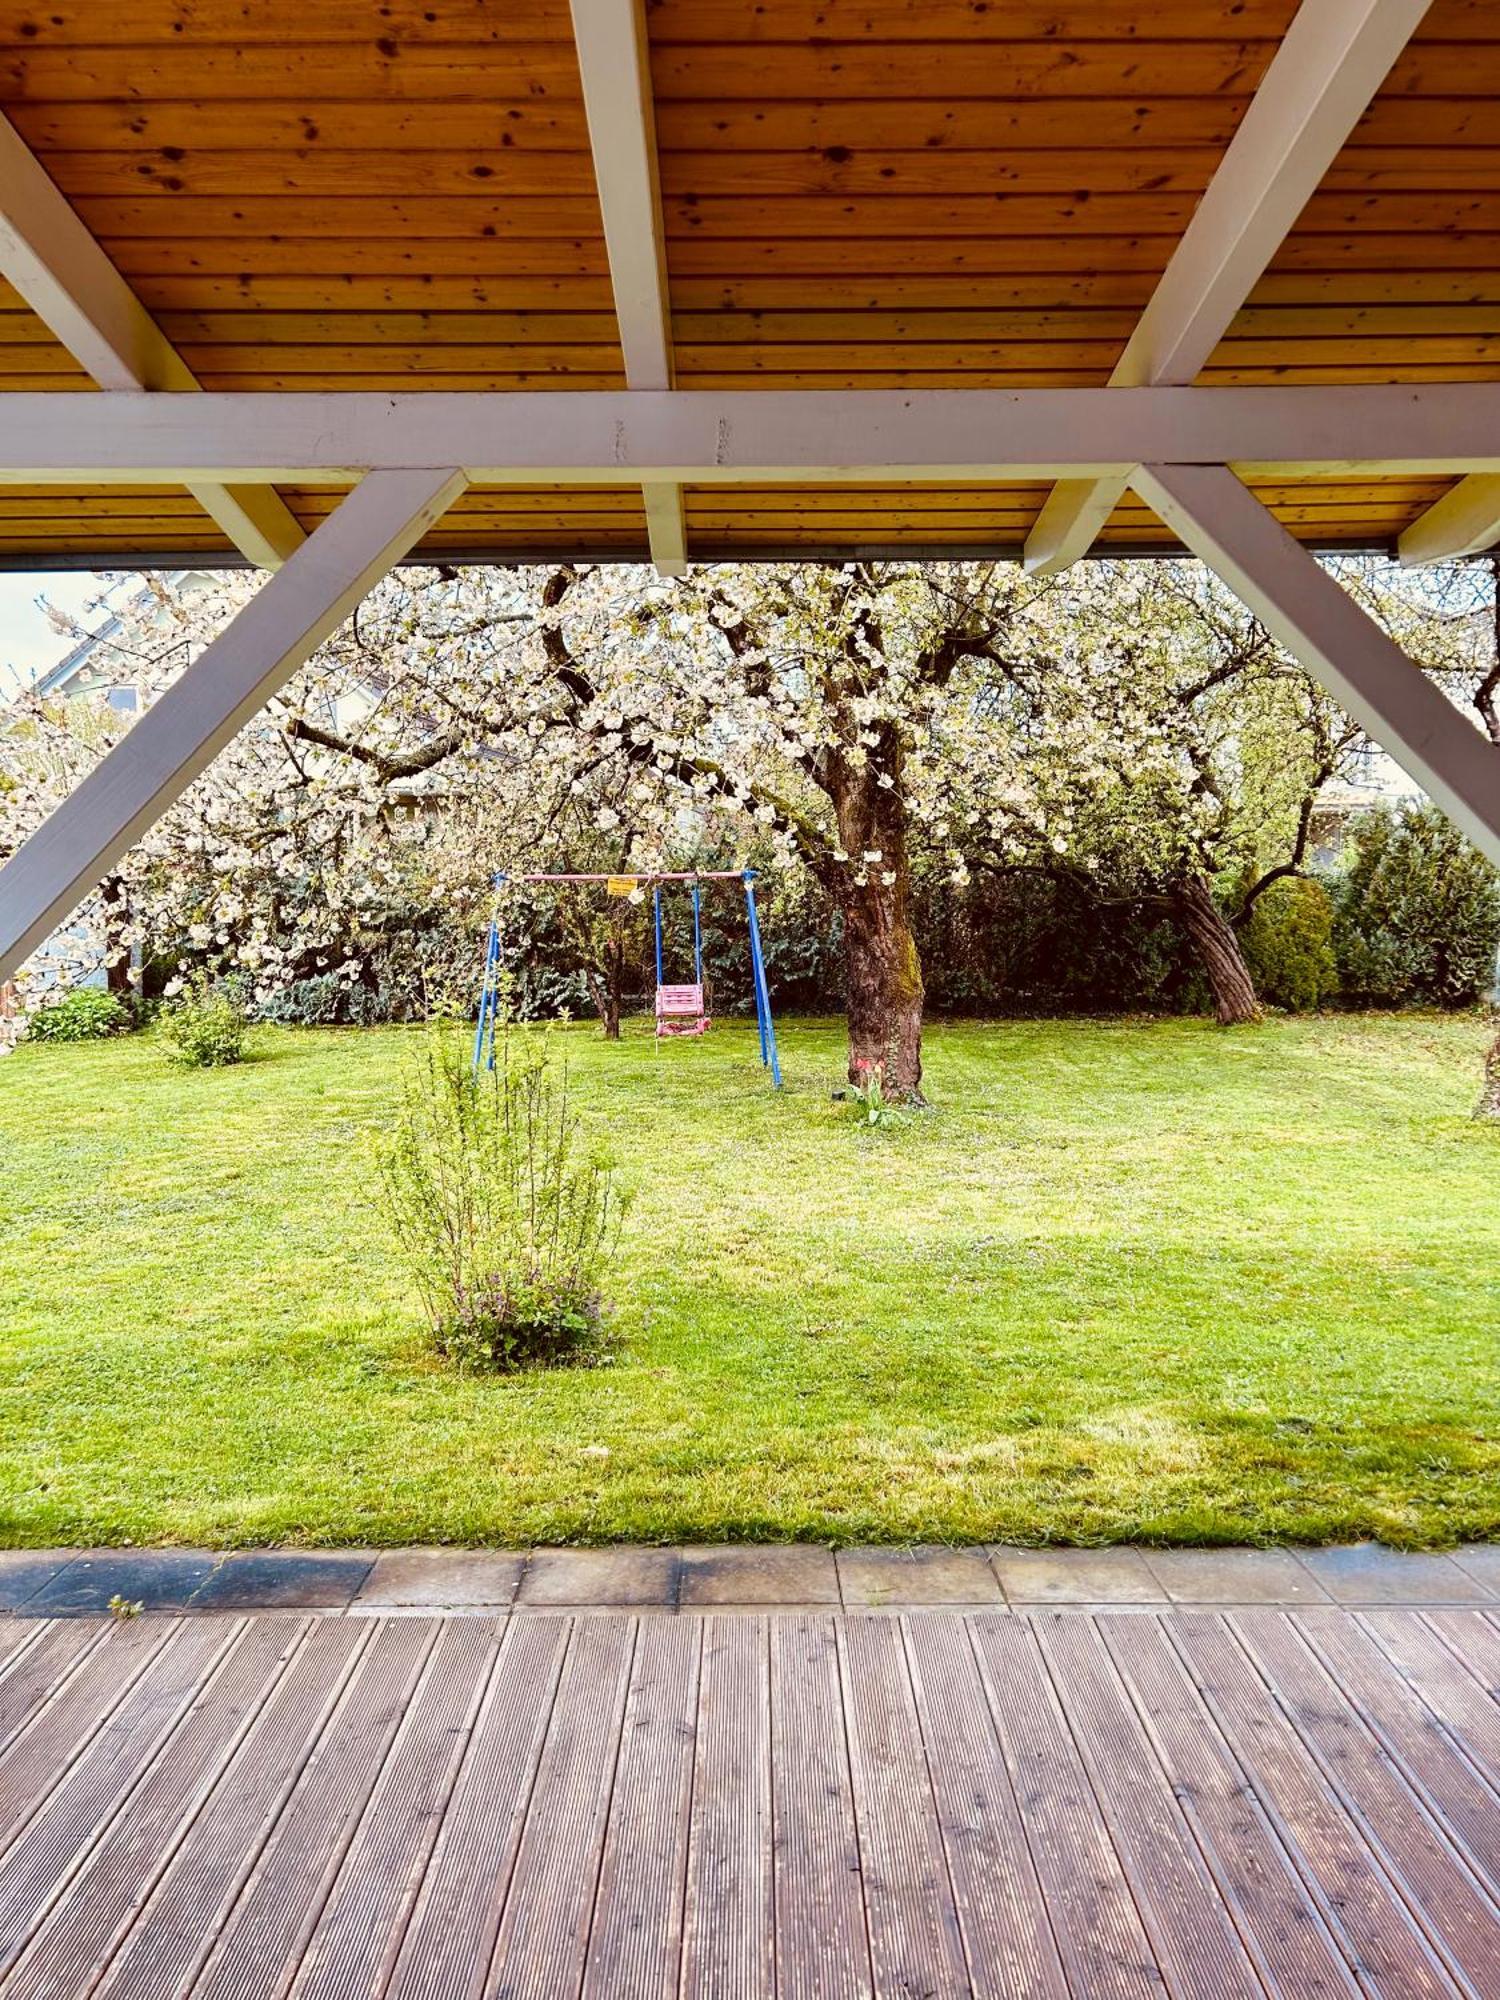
(399, 194)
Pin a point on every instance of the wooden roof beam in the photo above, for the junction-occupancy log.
(1340, 645)
(858, 437)
(71, 286)
(1331, 62)
(614, 63)
(1464, 522)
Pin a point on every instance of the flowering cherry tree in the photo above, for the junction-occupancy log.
(1126, 729)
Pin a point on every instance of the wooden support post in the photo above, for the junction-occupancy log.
(74, 289)
(1341, 646)
(615, 68)
(1332, 60)
(235, 676)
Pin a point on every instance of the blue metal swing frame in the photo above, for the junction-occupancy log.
(492, 984)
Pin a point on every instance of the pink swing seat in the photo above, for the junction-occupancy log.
(679, 1011)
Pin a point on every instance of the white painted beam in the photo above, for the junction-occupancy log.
(666, 527)
(1464, 522)
(178, 737)
(615, 67)
(635, 437)
(1317, 621)
(1072, 516)
(71, 286)
(1332, 60)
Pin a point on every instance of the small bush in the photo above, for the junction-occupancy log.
(1288, 943)
(88, 1014)
(202, 1030)
(505, 1228)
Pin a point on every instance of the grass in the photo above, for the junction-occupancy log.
(1137, 1280)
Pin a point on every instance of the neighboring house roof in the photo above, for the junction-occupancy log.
(90, 665)
(60, 678)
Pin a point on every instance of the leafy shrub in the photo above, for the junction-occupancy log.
(1022, 945)
(88, 1014)
(368, 1006)
(1288, 943)
(506, 1229)
(202, 1030)
(1417, 913)
(306, 1003)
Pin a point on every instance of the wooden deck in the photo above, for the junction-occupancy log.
(801, 1805)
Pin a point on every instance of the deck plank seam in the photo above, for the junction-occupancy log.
(903, 1627)
(1443, 1727)
(1007, 1771)
(95, 1727)
(112, 1812)
(1109, 1816)
(1384, 1862)
(270, 1818)
(297, 1957)
(1392, 1763)
(224, 1755)
(1217, 1862)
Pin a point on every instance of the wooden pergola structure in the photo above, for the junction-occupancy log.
(327, 286)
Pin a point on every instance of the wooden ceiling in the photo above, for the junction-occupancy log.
(400, 194)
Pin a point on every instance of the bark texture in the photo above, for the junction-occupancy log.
(882, 973)
(1218, 949)
(607, 984)
(115, 909)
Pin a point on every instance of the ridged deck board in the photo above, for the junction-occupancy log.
(1157, 1805)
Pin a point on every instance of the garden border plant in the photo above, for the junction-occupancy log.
(204, 1029)
(87, 1014)
(506, 1228)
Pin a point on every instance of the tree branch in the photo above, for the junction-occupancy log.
(388, 765)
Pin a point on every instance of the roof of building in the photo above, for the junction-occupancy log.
(901, 195)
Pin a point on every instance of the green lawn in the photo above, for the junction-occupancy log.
(1131, 1280)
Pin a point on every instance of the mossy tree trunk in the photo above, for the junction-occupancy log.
(1214, 940)
(882, 972)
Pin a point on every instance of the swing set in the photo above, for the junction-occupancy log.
(680, 1010)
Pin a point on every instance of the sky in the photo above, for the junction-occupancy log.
(27, 641)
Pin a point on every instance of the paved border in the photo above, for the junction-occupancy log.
(758, 1577)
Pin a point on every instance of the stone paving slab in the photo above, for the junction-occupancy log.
(1235, 1576)
(734, 1577)
(876, 1578)
(568, 1577)
(156, 1579)
(1076, 1576)
(1365, 1573)
(278, 1579)
(23, 1572)
(1481, 1560)
(759, 1574)
(442, 1579)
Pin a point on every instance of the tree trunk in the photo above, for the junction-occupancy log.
(606, 994)
(882, 973)
(1218, 949)
(115, 910)
(1488, 1106)
(607, 985)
